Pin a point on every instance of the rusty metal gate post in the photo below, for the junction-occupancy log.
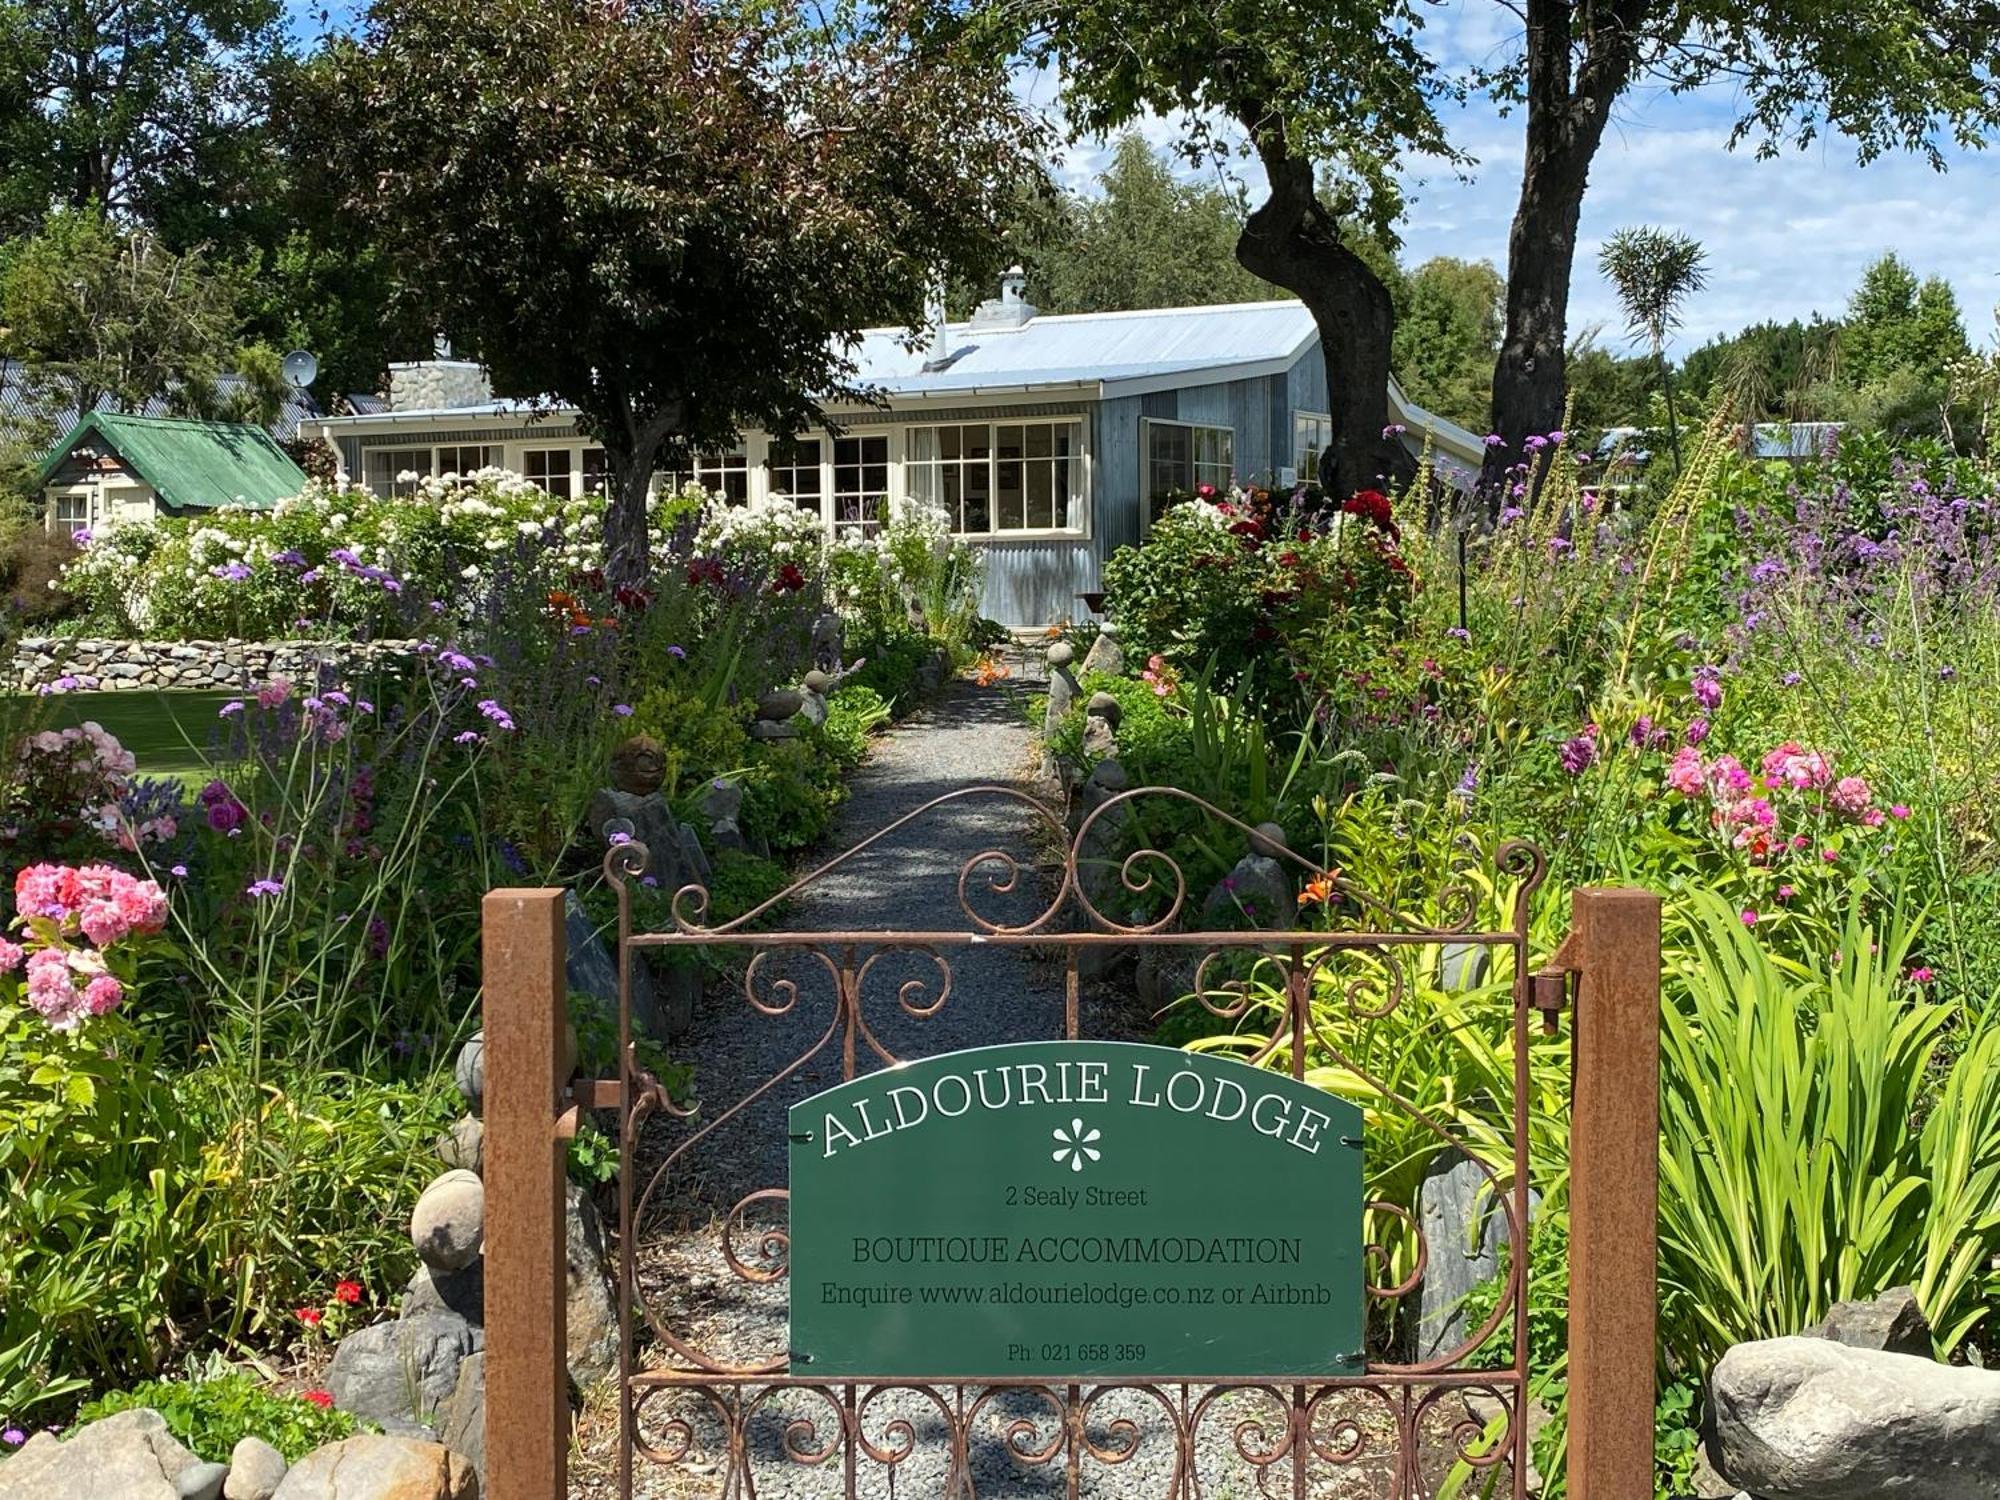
(1614, 951)
(527, 1378)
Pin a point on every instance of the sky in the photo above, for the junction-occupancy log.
(1785, 238)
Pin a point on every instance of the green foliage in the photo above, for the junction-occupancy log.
(601, 263)
(790, 794)
(853, 713)
(1448, 330)
(1818, 1144)
(210, 1417)
(99, 312)
(1146, 239)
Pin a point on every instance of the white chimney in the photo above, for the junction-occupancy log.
(937, 352)
(1011, 309)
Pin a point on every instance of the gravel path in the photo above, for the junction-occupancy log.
(970, 737)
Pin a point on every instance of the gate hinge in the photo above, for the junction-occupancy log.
(1549, 986)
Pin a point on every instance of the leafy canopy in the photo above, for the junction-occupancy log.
(1653, 271)
(674, 217)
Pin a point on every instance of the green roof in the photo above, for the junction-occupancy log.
(191, 465)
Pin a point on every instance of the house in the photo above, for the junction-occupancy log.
(1048, 441)
(31, 409)
(113, 468)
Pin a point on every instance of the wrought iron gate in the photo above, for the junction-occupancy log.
(706, 1403)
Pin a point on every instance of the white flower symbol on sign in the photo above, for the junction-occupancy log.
(1074, 1145)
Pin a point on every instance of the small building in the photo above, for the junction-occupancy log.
(114, 468)
(1048, 441)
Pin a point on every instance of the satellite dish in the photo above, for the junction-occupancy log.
(300, 368)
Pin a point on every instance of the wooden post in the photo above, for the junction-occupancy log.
(1614, 1193)
(527, 1374)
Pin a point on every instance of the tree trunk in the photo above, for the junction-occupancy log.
(630, 452)
(1293, 241)
(1673, 421)
(1564, 131)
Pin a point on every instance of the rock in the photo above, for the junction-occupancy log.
(1810, 1419)
(372, 1467)
(1892, 1323)
(933, 669)
(1463, 966)
(1268, 839)
(1257, 892)
(1109, 777)
(470, 1070)
(462, 1423)
(256, 1469)
(721, 806)
(201, 1481)
(1488, 1413)
(463, 1145)
(1104, 706)
(1705, 1483)
(1100, 739)
(1464, 1226)
(590, 970)
(829, 642)
(127, 1456)
(648, 820)
(592, 1310)
(461, 1293)
(1105, 655)
(1060, 655)
(694, 859)
(639, 766)
(817, 682)
(448, 1225)
(401, 1371)
(765, 729)
(779, 705)
(812, 706)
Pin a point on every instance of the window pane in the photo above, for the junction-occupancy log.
(977, 508)
(1041, 495)
(948, 442)
(977, 442)
(1041, 439)
(1068, 502)
(595, 471)
(1010, 516)
(923, 444)
(1009, 442)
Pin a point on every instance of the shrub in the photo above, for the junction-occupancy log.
(210, 1417)
(32, 561)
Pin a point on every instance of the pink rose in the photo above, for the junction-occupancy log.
(102, 995)
(1851, 795)
(10, 956)
(1686, 774)
(104, 923)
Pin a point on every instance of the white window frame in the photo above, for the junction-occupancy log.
(1302, 451)
(1220, 475)
(1077, 501)
(863, 497)
(492, 454)
(713, 471)
(566, 472)
(84, 498)
(773, 449)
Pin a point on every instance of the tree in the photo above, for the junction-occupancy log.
(1447, 335)
(1886, 76)
(148, 108)
(1897, 324)
(1150, 240)
(1328, 99)
(100, 315)
(1654, 271)
(674, 218)
(1775, 371)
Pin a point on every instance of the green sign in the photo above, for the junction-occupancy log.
(1054, 1209)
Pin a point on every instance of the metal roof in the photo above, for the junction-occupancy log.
(20, 401)
(190, 465)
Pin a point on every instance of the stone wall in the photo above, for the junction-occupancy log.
(122, 665)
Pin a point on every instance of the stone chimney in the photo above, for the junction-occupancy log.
(1011, 309)
(438, 382)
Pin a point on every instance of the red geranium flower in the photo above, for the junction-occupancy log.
(311, 1316)
(348, 1292)
(322, 1399)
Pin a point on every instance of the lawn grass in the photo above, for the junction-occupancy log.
(155, 726)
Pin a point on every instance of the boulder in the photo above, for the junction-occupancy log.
(779, 705)
(591, 1309)
(1892, 1323)
(401, 1371)
(462, 1293)
(448, 1225)
(1256, 893)
(648, 820)
(1060, 655)
(1810, 1419)
(817, 683)
(462, 1423)
(1105, 654)
(1100, 739)
(589, 969)
(829, 641)
(721, 807)
(1104, 706)
(1464, 1226)
(127, 1456)
(812, 706)
(469, 1072)
(767, 729)
(463, 1145)
(373, 1467)
(256, 1469)
(201, 1482)
(1268, 839)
